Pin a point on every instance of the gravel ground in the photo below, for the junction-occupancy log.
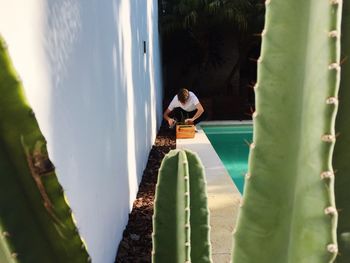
(136, 245)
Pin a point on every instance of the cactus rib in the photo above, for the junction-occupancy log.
(341, 151)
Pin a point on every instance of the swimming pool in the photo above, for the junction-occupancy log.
(230, 143)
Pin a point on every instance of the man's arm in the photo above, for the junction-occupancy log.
(199, 112)
(167, 118)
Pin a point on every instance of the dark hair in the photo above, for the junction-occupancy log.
(183, 95)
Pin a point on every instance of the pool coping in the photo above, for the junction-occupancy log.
(223, 195)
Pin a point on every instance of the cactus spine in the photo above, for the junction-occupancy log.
(36, 223)
(289, 213)
(341, 152)
(181, 216)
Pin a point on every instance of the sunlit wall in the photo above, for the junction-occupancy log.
(97, 96)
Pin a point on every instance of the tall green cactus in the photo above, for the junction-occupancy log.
(288, 213)
(181, 217)
(36, 224)
(342, 147)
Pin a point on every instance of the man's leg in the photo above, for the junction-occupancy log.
(179, 114)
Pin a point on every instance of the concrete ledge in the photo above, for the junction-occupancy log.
(223, 195)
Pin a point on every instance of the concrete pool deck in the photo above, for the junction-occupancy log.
(223, 195)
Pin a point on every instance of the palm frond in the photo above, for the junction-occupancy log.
(190, 20)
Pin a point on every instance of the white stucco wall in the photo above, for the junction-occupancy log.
(97, 98)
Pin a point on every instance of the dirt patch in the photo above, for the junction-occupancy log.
(136, 245)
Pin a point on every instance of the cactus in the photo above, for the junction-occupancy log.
(341, 151)
(288, 210)
(181, 217)
(36, 224)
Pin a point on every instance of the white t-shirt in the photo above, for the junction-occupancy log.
(190, 104)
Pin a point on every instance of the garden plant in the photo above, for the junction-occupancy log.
(36, 223)
(289, 211)
(181, 216)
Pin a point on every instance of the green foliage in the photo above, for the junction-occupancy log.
(189, 14)
(288, 213)
(36, 224)
(199, 19)
(194, 33)
(181, 216)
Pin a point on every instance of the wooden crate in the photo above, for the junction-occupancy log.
(185, 131)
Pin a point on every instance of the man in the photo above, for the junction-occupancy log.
(186, 107)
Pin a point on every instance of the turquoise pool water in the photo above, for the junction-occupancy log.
(230, 143)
